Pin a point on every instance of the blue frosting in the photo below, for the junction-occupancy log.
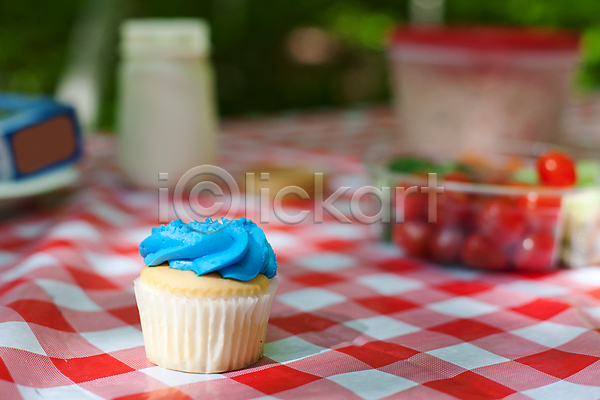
(236, 249)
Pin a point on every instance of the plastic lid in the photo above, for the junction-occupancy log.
(487, 38)
(165, 38)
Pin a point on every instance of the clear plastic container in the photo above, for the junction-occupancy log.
(488, 226)
(463, 88)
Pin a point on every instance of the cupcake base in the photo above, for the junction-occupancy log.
(201, 334)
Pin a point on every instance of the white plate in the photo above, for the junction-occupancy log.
(37, 185)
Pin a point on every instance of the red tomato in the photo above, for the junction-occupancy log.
(445, 245)
(534, 253)
(479, 252)
(413, 204)
(541, 211)
(453, 209)
(413, 237)
(534, 201)
(556, 169)
(501, 221)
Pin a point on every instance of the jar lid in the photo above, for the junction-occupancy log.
(165, 38)
(487, 38)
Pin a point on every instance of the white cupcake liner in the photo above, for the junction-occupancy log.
(203, 335)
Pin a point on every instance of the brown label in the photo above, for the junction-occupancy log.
(44, 144)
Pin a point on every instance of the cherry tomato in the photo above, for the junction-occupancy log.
(556, 169)
(413, 204)
(413, 237)
(501, 222)
(453, 209)
(445, 244)
(541, 211)
(479, 252)
(534, 200)
(534, 253)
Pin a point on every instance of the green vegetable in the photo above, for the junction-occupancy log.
(412, 165)
(527, 175)
(588, 173)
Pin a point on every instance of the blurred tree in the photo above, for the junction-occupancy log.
(33, 43)
(270, 54)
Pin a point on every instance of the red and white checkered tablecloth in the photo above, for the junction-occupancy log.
(352, 318)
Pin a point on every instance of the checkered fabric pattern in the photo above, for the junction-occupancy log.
(352, 317)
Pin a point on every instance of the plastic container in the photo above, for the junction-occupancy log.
(463, 88)
(490, 226)
(167, 117)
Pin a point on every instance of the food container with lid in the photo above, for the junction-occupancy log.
(467, 87)
(498, 225)
(167, 118)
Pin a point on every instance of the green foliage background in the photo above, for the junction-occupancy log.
(254, 70)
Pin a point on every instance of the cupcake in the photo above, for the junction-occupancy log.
(205, 294)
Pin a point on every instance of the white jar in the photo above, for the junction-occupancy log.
(166, 112)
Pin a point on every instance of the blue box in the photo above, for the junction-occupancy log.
(37, 135)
